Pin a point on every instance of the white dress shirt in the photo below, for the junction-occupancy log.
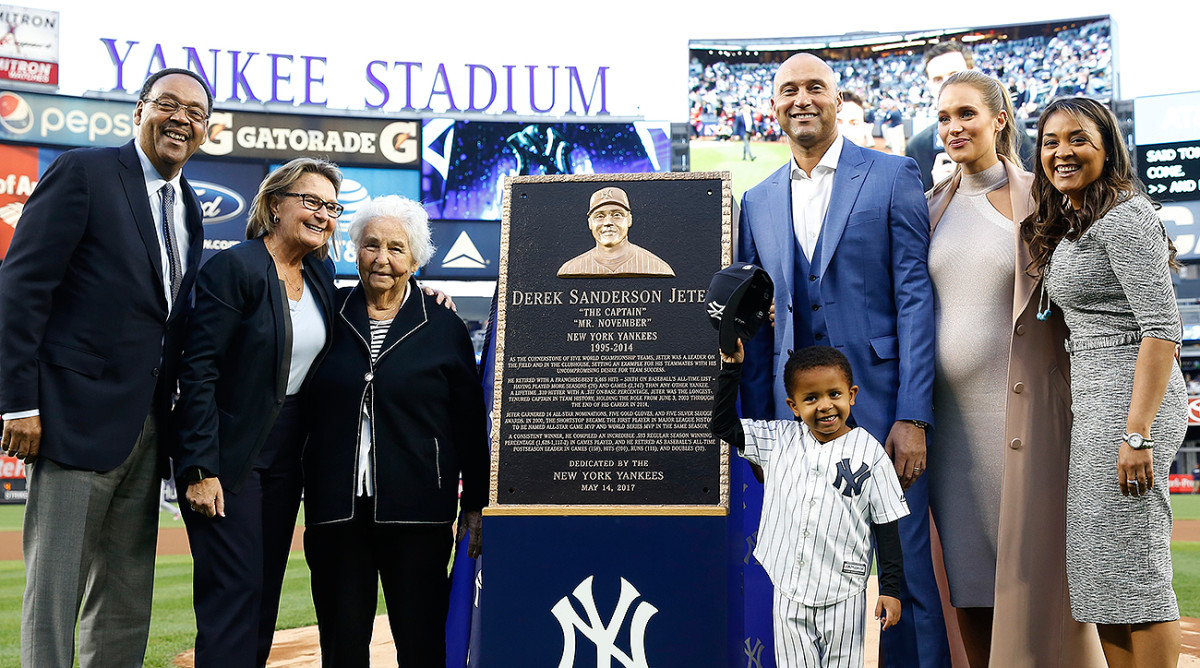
(154, 183)
(810, 197)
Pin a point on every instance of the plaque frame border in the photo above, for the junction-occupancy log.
(494, 508)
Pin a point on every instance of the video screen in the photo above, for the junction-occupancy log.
(465, 162)
(885, 74)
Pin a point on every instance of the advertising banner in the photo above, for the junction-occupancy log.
(76, 121)
(12, 480)
(29, 45)
(18, 175)
(1182, 483)
(368, 141)
(359, 186)
(466, 250)
(226, 190)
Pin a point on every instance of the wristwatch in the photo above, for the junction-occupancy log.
(1139, 442)
(923, 426)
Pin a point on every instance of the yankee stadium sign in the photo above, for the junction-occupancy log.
(384, 84)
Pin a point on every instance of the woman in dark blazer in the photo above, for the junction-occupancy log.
(261, 322)
(397, 417)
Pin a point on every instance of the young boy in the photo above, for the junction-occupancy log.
(827, 487)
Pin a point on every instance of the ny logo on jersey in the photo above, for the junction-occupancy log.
(854, 481)
(604, 635)
(754, 654)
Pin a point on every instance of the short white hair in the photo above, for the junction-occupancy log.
(410, 214)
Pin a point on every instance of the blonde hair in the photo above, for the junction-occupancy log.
(261, 221)
(996, 99)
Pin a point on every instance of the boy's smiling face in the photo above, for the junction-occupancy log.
(822, 397)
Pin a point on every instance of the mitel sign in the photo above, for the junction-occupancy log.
(28, 45)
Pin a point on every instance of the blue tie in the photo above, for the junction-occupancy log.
(168, 229)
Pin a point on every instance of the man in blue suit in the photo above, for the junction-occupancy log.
(93, 300)
(844, 233)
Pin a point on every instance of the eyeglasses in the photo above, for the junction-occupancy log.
(617, 217)
(169, 107)
(314, 203)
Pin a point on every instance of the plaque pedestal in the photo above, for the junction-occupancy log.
(619, 591)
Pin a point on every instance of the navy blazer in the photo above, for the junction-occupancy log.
(85, 335)
(236, 359)
(428, 416)
(867, 293)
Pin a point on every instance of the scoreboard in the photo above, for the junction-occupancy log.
(1167, 133)
(1171, 171)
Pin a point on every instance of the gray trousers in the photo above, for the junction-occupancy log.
(89, 542)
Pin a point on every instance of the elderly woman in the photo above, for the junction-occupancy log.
(398, 417)
(1106, 262)
(262, 319)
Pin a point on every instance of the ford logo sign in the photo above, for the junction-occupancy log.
(218, 203)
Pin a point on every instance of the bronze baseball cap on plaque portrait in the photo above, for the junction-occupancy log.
(738, 302)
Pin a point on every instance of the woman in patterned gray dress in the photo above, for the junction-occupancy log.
(1106, 260)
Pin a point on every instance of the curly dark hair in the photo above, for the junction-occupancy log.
(815, 357)
(1053, 217)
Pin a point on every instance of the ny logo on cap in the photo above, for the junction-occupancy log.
(716, 311)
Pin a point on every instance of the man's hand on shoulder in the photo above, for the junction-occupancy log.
(906, 446)
(22, 437)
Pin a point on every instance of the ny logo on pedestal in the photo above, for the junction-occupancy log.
(854, 481)
(753, 653)
(604, 635)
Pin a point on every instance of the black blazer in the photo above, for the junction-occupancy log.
(427, 411)
(236, 358)
(85, 335)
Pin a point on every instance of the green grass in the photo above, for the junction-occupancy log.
(1185, 557)
(711, 156)
(1185, 506)
(172, 625)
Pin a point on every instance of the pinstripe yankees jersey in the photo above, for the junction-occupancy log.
(819, 501)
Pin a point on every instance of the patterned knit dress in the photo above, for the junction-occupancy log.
(1114, 288)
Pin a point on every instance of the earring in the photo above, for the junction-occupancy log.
(1042, 299)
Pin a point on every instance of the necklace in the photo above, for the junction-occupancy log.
(299, 287)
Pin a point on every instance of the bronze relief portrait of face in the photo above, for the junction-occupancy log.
(614, 255)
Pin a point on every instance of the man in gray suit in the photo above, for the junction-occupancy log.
(93, 299)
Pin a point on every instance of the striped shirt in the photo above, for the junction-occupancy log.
(819, 501)
(366, 478)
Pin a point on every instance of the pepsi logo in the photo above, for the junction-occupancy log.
(218, 203)
(16, 115)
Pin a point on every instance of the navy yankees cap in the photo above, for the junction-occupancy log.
(738, 301)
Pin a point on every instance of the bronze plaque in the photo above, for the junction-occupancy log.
(605, 357)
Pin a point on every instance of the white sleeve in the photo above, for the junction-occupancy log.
(763, 437)
(884, 495)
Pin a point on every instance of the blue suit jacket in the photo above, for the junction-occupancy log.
(85, 335)
(867, 291)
